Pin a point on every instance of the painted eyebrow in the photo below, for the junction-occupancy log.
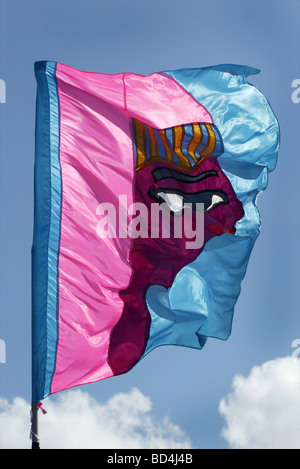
(167, 173)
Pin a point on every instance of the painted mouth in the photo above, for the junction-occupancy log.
(176, 200)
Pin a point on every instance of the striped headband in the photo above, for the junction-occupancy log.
(184, 147)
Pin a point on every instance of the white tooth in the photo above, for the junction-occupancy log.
(174, 201)
(215, 200)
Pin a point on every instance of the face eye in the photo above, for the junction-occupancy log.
(215, 200)
(174, 201)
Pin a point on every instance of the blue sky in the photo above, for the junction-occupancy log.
(143, 37)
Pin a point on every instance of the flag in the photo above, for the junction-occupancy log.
(145, 213)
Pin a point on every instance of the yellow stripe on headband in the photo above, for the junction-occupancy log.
(195, 142)
(152, 144)
(140, 140)
(178, 133)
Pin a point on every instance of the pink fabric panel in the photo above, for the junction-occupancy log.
(161, 102)
(97, 164)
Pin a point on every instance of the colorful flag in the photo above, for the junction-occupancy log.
(145, 213)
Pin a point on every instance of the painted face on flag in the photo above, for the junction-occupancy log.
(178, 167)
(178, 171)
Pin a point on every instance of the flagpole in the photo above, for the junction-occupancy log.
(34, 427)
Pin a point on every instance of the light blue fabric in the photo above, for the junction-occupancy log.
(201, 301)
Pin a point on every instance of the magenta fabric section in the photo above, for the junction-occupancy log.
(156, 261)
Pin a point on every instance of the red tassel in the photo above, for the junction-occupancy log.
(40, 407)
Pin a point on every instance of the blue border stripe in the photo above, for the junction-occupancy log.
(46, 240)
(203, 142)
(160, 145)
(169, 136)
(55, 221)
(188, 135)
(219, 148)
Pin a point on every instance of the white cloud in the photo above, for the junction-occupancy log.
(263, 409)
(75, 420)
